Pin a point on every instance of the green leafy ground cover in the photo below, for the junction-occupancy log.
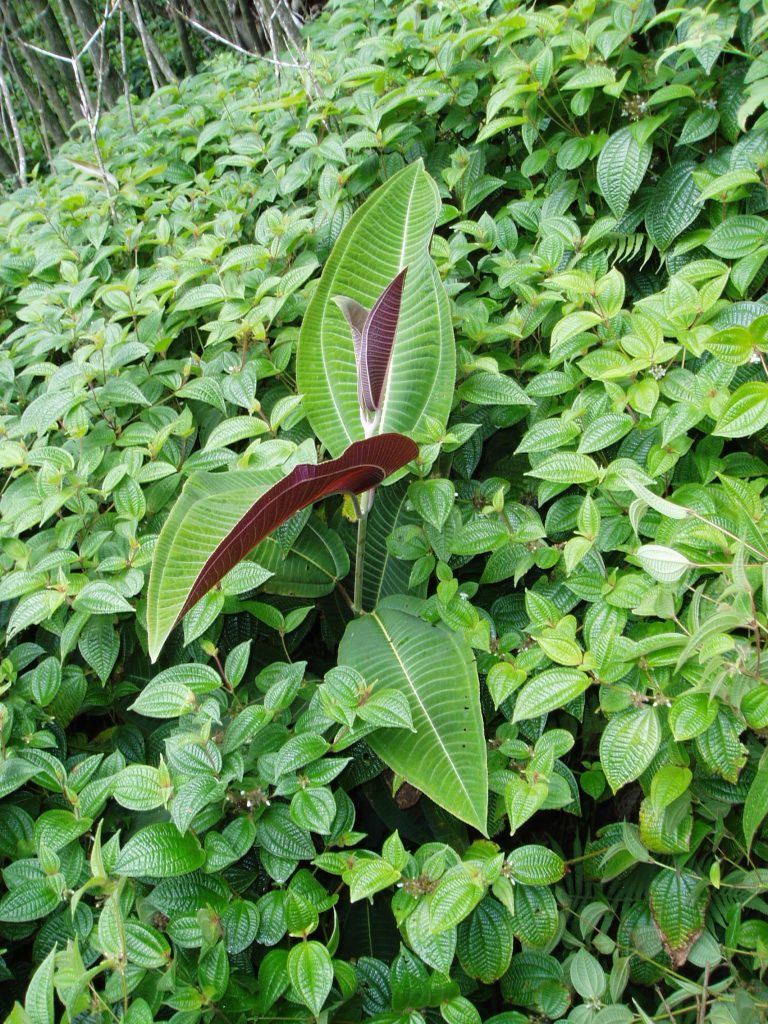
(200, 839)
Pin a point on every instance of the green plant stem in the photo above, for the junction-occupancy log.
(362, 530)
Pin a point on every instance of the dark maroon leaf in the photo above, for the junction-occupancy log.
(373, 336)
(378, 340)
(362, 467)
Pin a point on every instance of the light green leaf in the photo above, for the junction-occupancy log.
(746, 411)
(756, 804)
(549, 690)
(662, 563)
(566, 468)
(628, 745)
(210, 505)
(456, 896)
(484, 941)
(673, 205)
(483, 388)
(535, 865)
(311, 973)
(369, 877)
(30, 900)
(38, 1001)
(445, 757)
(587, 976)
(678, 903)
(390, 231)
(101, 598)
(138, 787)
(160, 851)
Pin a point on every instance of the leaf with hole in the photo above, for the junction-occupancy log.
(445, 757)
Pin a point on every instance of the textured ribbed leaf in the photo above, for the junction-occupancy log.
(692, 714)
(587, 976)
(678, 904)
(389, 232)
(549, 690)
(437, 950)
(737, 236)
(159, 851)
(456, 896)
(445, 758)
(485, 941)
(138, 787)
(628, 745)
(621, 168)
(662, 563)
(311, 973)
(220, 517)
(566, 468)
(316, 562)
(535, 918)
(38, 1001)
(535, 865)
(29, 900)
(756, 804)
(673, 205)
(745, 412)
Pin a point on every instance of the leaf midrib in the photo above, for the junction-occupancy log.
(415, 692)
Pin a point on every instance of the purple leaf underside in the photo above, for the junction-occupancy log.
(373, 337)
(362, 467)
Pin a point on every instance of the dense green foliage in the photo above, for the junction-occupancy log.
(582, 548)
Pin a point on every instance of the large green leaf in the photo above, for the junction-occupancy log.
(159, 851)
(383, 574)
(315, 563)
(390, 231)
(756, 804)
(445, 757)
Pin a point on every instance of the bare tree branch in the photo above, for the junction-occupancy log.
(124, 64)
(234, 46)
(21, 156)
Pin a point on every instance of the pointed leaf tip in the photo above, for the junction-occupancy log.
(378, 341)
(220, 517)
(373, 337)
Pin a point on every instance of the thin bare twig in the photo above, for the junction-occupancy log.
(138, 22)
(234, 46)
(124, 68)
(21, 156)
(69, 59)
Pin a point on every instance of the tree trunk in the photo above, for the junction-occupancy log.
(152, 51)
(52, 113)
(21, 155)
(43, 76)
(249, 30)
(209, 15)
(87, 23)
(57, 43)
(186, 48)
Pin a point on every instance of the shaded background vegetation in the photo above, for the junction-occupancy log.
(65, 61)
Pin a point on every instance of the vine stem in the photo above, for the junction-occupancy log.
(362, 530)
